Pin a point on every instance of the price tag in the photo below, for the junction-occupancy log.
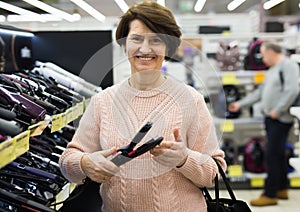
(75, 112)
(235, 171)
(80, 108)
(72, 187)
(229, 79)
(22, 143)
(64, 119)
(257, 182)
(7, 152)
(259, 77)
(57, 122)
(37, 129)
(62, 195)
(227, 126)
(295, 182)
(69, 115)
(87, 102)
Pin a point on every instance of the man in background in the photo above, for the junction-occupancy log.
(276, 93)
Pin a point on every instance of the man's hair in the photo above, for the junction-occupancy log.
(273, 45)
(157, 18)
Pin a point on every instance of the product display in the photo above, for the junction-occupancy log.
(34, 177)
(253, 59)
(38, 102)
(254, 155)
(2, 58)
(228, 146)
(228, 56)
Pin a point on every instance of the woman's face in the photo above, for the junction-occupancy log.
(145, 49)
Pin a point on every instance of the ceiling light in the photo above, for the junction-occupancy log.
(199, 5)
(15, 9)
(8, 31)
(2, 18)
(123, 5)
(234, 4)
(89, 9)
(29, 18)
(161, 2)
(271, 3)
(51, 10)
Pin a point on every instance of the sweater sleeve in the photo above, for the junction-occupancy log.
(203, 146)
(85, 139)
(251, 98)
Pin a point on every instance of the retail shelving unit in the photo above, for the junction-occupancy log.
(19, 144)
(239, 129)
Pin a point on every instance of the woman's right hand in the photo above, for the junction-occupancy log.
(234, 107)
(97, 167)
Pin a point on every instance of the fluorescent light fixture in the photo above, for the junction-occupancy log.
(15, 9)
(89, 9)
(8, 31)
(199, 5)
(29, 18)
(234, 4)
(123, 5)
(161, 2)
(51, 10)
(271, 3)
(2, 18)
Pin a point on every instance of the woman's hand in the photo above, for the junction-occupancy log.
(171, 153)
(97, 167)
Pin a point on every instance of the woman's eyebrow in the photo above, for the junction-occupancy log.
(135, 35)
(151, 35)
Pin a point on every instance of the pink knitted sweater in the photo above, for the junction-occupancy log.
(112, 119)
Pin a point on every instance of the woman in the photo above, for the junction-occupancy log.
(169, 176)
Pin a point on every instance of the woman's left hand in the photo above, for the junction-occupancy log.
(171, 153)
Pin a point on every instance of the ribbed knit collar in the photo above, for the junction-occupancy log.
(149, 93)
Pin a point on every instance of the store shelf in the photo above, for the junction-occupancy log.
(60, 120)
(62, 196)
(241, 77)
(19, 144)
(239, 130)
(295, 111)
(248, 180)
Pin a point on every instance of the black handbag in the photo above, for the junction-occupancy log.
(224, 204)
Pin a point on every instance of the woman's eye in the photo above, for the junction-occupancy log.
(156, 41)
(137, 39)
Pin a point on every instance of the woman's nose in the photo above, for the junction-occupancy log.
(145, 47)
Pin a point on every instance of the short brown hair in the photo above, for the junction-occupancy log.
(157, 18)
(273, 45)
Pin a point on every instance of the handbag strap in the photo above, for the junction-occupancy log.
(225, 180)
(217, 196)
(207, 195)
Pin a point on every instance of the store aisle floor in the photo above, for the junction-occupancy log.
(283, 205)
